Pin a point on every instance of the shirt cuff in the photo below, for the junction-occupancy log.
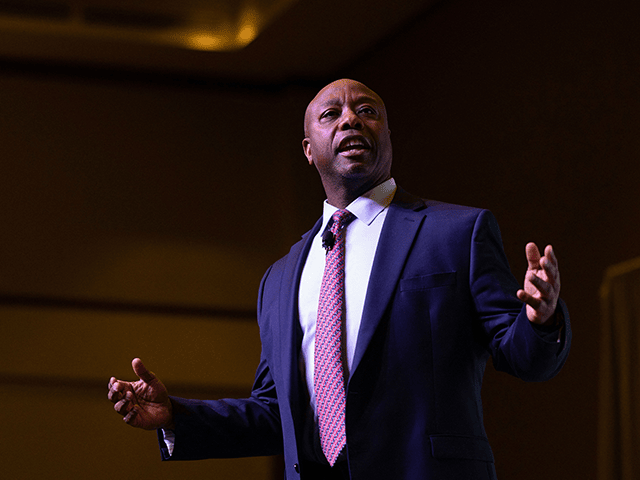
(169, 438)
(552, 331)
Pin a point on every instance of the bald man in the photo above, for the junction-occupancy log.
(425, 298)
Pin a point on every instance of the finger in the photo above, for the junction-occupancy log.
(550, 253)
(126, 404)
(114, 396)
(551, 270)
(112, 380)
(114, 391)
(131, 416)
(533, 255)
(544, 288)
(123, 406)
(530, 300)
(550, 265)
(141, 371)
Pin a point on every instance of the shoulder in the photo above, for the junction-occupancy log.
(436, 210)
(477, 221)
(406, 200)
(443, 218)
(438, 205)
(435, 206)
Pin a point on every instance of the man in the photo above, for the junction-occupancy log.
(423, 296)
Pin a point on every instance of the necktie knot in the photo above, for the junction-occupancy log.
(341, 218)
(337, 222)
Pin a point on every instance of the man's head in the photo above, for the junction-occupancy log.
(347, 138)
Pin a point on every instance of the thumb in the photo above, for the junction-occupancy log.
(141, 371)
(533, 256)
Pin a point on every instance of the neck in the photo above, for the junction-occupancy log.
(341, 201)
(342, 195)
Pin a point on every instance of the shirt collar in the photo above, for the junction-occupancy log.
(367, 206)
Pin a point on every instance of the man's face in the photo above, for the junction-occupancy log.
(347, 136)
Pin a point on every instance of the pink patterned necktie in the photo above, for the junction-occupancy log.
(328, 375)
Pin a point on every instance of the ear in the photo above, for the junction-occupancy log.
(306, 148)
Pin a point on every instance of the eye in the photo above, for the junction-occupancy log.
(367, 110)
(329, 114)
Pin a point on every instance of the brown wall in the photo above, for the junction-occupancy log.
(131, 193)
(137, 220)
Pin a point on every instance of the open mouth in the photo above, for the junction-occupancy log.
(355, 144)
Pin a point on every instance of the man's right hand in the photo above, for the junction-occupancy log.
(144, 403)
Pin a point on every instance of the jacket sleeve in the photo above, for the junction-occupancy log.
(517, 346)
(228, 428)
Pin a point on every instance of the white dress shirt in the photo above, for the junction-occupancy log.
(362, 238)
(363, 234)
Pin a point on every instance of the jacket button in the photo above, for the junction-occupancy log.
(296, 467)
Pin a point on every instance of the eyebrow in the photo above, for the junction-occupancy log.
(359, 100)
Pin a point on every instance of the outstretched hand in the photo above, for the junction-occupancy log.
(144, 403)
(541, 284)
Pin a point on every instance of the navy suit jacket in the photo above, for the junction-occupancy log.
(440, 302)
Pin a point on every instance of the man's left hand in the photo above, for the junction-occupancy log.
(541, 285)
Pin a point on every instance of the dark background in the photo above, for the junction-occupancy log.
(160, 185)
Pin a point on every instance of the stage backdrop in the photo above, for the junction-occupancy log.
(619, 420)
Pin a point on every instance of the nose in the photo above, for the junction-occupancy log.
(350, 120)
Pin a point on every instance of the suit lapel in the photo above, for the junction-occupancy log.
(289, 335)
(401, 225)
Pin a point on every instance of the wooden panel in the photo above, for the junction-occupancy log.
(54, 369)
(72, 433)
(95, 345)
